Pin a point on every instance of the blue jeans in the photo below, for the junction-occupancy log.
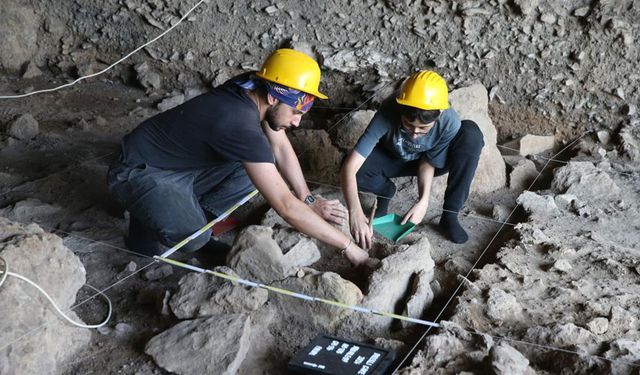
(166, 206)
(462, 160)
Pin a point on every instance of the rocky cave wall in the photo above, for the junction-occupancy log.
(551, 67)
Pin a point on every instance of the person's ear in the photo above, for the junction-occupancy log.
(271, 100)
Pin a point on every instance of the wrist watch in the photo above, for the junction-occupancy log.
(309, 200)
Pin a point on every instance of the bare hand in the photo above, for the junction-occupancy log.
(360, 230)
(332, 211)
(356, 255)
(416, 213)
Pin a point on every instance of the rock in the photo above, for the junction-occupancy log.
(523, 172)
(148, 78)
(32, 210)
(31, 71)
(19, 29)
(598, 325)
(131, 267)
(302, 46)
(389, 284)
(316, 316)
(538, 206)
(565, 201)
(508, 361)
(581, 12)
(472, 103)
(501, 213)
(257, 256)
(526, 7)
(202, 295)
(502, 306)
(124, 330)
(458, 265)
(558, 335)
(42, 258)
(585, 181)
(349, 131)
(549, 18)
(214, 345)
(421, 296)
(562, 265)
(158, 272)
(629, 109)
(621, 319)
(604, 137)
(630, 140)
(171, 102)
(319, 159)
(530, 145)
(623, 350)
(24, 127)
(299, 250)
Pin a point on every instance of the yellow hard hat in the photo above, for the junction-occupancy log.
(292, 69)
(425, 90)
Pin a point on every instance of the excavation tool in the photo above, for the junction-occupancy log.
(390, 226)
(329, 355)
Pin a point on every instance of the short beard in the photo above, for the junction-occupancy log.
(271, 118)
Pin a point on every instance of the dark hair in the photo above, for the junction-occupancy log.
(424, 116)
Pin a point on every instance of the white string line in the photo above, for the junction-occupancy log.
(110, 66)
(537, 156)
(480, 257)
(55, 305)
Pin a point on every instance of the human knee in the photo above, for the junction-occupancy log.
(471, 139)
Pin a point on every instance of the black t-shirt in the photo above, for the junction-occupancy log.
(220, 126)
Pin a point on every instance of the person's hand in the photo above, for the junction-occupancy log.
(356, 255)
(332, 211)
(416, 213)
(360, 229)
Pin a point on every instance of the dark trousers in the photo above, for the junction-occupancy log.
(166, 206)
(462, 160)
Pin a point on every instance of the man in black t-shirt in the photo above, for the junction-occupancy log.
(200, 158)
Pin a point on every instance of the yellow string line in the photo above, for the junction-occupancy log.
(301, 296)
(213, 222)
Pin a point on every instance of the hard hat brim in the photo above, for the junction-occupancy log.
(410, 103)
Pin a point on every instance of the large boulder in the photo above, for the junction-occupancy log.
(392, 288)
(316, 315)
(257, 255)
(42, 258)
(202, 295)
(585, 181)
(471, 103)
(213, 345)
(19, 34)
(24, 127)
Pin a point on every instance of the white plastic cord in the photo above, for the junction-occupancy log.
(110, 66)
(5, 273)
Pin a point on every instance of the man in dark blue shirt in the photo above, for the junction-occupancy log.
(413, 134)
(193, 162)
